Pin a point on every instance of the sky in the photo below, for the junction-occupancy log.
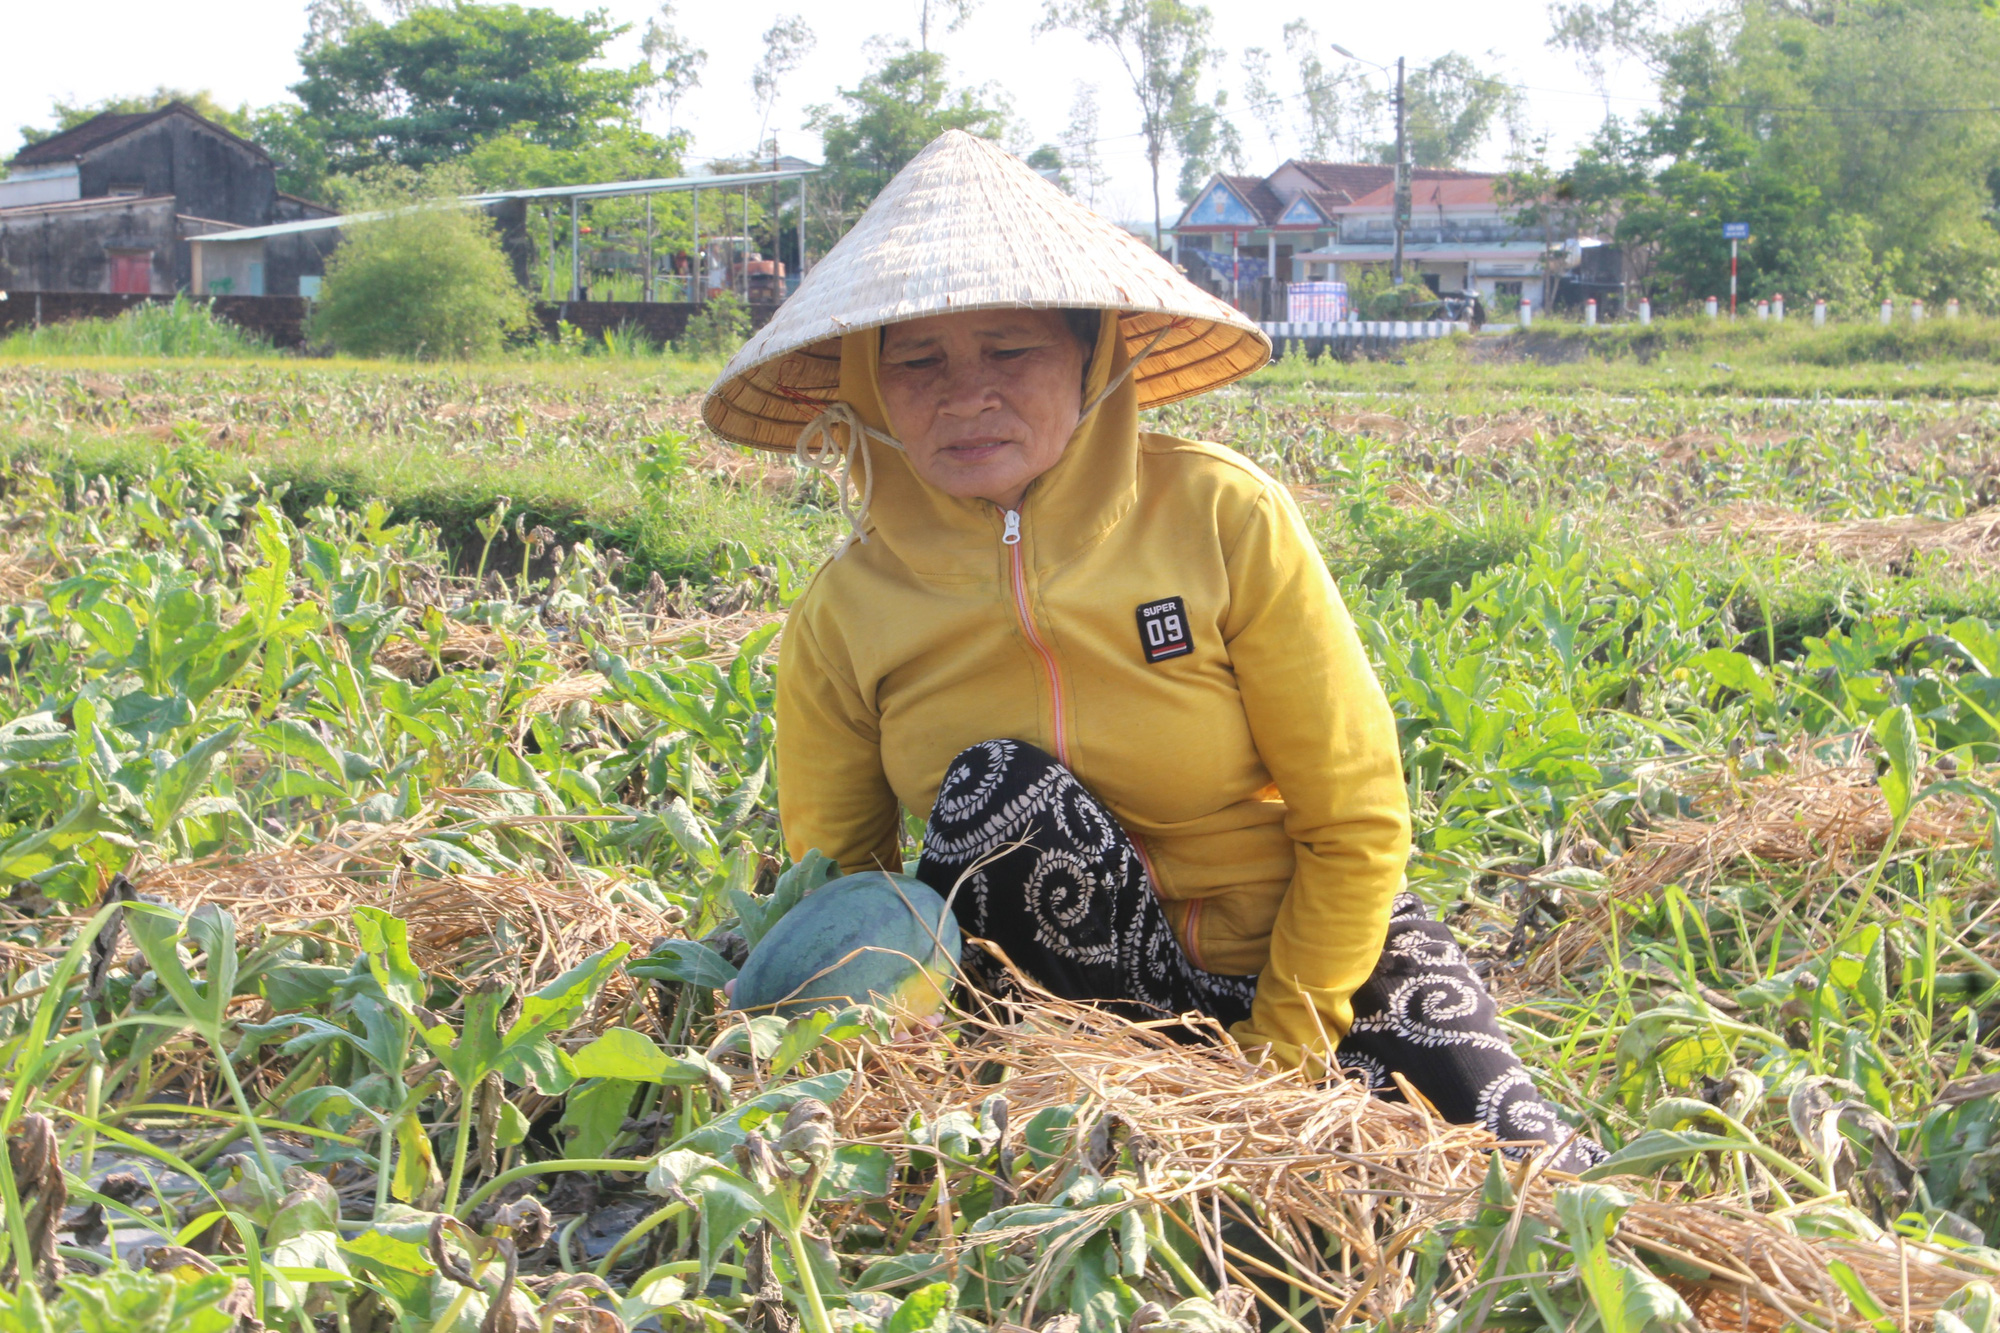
(244, 51)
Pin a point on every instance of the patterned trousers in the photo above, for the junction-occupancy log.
(1044, 871)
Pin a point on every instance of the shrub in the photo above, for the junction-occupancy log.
(175, 328)
(427, 282)
(717, 329)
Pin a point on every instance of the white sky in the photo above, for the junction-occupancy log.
(243, 50)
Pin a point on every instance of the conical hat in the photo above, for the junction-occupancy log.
(966, 226)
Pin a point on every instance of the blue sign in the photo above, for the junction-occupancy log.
(1735, 231)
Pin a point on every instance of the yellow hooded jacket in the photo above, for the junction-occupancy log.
(1258, 772)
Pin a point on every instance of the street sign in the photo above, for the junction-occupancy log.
(1735, 231)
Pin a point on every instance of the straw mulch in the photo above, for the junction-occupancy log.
(460, 925)
(694, 638)
(1824, 816)
(1973, 540)
(1339, 1184)
(1824, 813)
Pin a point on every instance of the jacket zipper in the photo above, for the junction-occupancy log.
(1010, 537)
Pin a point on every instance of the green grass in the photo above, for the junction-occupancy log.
(1938, 360)
(177, 328)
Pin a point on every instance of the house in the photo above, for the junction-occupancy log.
(110, 205)
(1310, 221)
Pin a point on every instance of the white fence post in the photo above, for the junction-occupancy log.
(1527, 313)
(1778, 307)
(1645, 310)
(1711, 307)
(1819, 313)
(1951, 308)
(1764, 310)
(1916, 312)
(1590, 312)
(1888, 311)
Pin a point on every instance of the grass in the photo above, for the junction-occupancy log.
(1700, 704)
(1938, 359)
(177, 328)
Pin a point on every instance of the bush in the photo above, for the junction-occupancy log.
(427, 282)
(176, 328)
(717, 329)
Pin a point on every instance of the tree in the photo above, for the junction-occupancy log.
(902, 104)
(1079, 145)
(428, 281)
(68, 115)
(787, 42)
(1261, 99)
(676, 64)
(1834, 130)
(1451, 107)
(1162, 45)
(328, 22)
(433, 85)
(1334, 100)
(953, 12)
(1207, 143)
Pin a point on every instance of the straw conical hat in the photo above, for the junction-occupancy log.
(966, 226)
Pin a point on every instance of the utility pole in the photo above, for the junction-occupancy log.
(1402, 177)
(1402, 204)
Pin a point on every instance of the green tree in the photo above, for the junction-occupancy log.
(435, 84)
(427, 280)
(1163, 47)
(887, 118)
(676, 64)
(1836, 130)
(1452, 106)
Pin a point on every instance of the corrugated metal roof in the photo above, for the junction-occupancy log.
(602, 190)
(84, 205)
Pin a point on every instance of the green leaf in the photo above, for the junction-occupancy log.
(1896, 732)
(727, 1130)
(621, 1053)
(858, 1171)
(925, 1310)
(556, 1005)
(595, 1113)
(386, 941)
(803, 1035)
(1589, 1215)
(416, 1174)
(1098, 1296)
(1657, 1149)
(174, 788)
(685, 961)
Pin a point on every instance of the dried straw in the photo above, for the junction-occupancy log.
(1973, 540)
(1825, 813)
(1338, 1183)
(459, 924)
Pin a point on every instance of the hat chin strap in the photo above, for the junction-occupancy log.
(819, 450)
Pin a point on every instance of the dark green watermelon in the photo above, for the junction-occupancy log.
(872, 938)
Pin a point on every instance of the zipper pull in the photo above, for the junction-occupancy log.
(1012, 535)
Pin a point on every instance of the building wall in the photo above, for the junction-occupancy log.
(67, 248)
(209, 175)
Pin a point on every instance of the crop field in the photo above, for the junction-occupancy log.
(386, 794)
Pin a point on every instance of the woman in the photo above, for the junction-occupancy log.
(1108, 667)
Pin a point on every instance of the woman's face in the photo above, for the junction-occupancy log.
(984, 401)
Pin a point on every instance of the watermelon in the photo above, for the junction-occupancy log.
(872, 938)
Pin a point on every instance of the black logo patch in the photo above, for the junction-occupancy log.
(1163, 629)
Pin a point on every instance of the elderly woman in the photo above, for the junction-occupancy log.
(1108, 667)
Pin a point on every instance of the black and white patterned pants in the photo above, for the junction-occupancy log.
(1042, 869)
